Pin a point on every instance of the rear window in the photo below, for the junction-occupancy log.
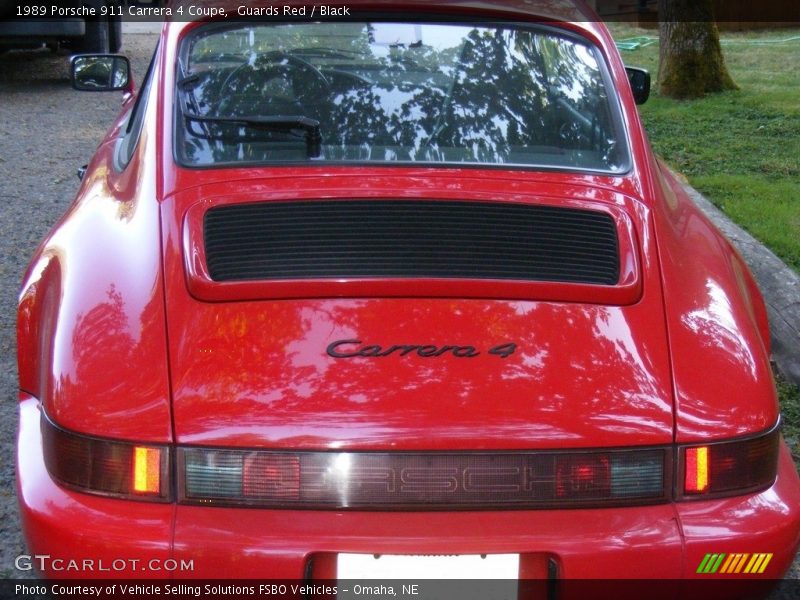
(377, 92)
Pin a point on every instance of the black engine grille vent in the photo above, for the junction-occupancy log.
(410, 239)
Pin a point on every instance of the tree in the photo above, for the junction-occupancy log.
(691, 62)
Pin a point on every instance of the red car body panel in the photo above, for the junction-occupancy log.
(91, 318)
(256, 372)
(122, 334)
(713, 312)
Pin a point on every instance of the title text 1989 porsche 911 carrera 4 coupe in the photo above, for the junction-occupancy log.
(407, 283)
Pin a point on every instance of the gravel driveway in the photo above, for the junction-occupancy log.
(47, 131)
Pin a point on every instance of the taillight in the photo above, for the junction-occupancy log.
(421, 481)
(409, 481)
(729, 468)
(106, 467)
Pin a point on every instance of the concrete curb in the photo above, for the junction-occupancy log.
(779, 284)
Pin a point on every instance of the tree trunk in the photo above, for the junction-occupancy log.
(691, 62)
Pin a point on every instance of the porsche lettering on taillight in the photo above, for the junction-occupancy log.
(413, 481)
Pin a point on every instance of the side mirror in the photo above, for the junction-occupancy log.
(100, 72)
(640, 83)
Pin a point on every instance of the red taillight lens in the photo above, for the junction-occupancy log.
(105, 467)
(729, 468)
(271, 476)
(583, 476)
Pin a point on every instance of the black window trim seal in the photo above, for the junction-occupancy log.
(131, 131)
(626, 165)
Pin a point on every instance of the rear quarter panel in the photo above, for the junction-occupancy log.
(716, 321)
(91, 328)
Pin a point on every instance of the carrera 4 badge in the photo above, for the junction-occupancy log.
(356, 348)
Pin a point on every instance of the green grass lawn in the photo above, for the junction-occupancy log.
(740, 148)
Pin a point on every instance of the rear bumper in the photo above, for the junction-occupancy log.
(138, 539)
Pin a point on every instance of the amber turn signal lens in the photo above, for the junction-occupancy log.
(696, 476)
(146, 470)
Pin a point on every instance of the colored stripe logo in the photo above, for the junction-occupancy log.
(742, 563)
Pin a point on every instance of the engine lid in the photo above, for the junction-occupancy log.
(418, 374)
(413, 363)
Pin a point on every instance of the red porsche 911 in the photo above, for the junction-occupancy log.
(389, 288)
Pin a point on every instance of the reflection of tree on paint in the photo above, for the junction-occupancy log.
(105, 343)
(493, 95)
(269, 374)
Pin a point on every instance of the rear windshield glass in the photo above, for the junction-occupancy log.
(381, 92)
